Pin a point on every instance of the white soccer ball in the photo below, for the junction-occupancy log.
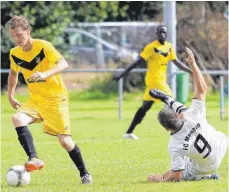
(17, 176)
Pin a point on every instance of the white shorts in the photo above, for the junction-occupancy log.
(187, 174)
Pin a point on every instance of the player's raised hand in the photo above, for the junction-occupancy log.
(14, 103)
(191, 58)
(38, 76)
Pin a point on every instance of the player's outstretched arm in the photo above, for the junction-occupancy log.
(60, 66)
(200, 87)
(129, 68)
(182, 66)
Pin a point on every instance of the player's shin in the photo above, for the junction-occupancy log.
(140, 114)
(77, 158)
(26, 140)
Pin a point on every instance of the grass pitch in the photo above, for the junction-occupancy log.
(116, 165)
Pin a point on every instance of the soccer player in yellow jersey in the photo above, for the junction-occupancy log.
(156, 54)
(40, 63)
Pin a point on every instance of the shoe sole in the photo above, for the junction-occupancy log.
(32, 167)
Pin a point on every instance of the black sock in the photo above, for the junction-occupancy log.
(175, 105)
(137, 119)
(77, 158)
(26, 140)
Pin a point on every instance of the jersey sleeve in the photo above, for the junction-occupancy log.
(197, 110)
(52, 54)
(173, 55)
(147, 52)
(177, 160)
(13, 65)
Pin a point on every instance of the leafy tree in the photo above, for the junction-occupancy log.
(140, 10)
(97, 11)
(48, 19)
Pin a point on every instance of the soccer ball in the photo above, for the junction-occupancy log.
(17, 176)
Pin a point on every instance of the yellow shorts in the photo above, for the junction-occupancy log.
(55, 115)
(163, 87)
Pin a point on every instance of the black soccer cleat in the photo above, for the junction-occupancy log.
(157, 94)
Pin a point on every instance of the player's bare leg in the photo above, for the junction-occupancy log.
(21, 120)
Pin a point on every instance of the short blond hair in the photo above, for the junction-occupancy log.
(18, 21)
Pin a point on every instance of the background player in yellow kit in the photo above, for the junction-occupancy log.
(156, 54)
(40, 63)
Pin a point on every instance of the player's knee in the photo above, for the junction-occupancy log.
(146, 106)
(66, 142)
(17, 120)
(21, 119)
(139, 115)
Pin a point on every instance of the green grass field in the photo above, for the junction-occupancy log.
(116, 165)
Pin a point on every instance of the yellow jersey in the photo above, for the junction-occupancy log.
(157, 57)
(42, 57)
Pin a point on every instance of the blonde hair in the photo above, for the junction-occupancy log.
(18, 21)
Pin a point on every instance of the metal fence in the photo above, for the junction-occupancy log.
(221, 73)
(103, 43)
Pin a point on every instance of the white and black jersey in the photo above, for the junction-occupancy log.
(197, 140)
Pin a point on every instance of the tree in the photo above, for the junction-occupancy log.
(96, 11)
(200, 25)
(48, 19)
